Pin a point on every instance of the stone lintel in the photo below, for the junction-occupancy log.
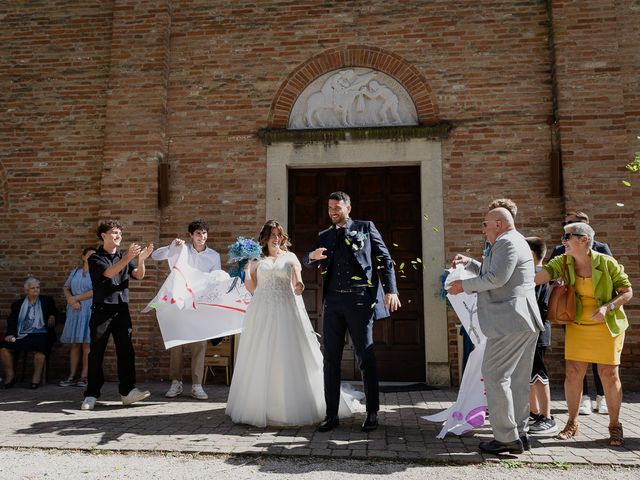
(333, 135)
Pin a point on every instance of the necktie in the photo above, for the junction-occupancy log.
(340, 235)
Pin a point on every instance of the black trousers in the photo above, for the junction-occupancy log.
(112, 320)
(353, 312)
(596, 381)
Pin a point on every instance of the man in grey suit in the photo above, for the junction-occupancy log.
(509, 317)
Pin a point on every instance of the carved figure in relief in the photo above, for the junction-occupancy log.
(388, 111)
(337, 94)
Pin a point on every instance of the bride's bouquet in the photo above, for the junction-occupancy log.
(240, 252)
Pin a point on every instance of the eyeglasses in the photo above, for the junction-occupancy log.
(566, 236)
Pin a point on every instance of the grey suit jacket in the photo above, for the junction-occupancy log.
(506, 291)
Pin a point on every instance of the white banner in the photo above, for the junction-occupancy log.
(470, 409)
(192, 306)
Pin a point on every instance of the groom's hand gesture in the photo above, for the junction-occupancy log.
(392, 301)
(318, 254)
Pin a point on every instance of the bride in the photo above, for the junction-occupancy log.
(278, 376)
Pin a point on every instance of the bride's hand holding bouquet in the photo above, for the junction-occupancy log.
(240, 252)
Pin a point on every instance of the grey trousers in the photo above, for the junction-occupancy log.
(506, 368)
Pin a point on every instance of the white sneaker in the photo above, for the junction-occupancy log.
(174, 390)
(135, 395)
(601, 405)
(88, 403)
(585, 405)
(198, 392)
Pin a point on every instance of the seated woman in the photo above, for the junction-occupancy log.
(29, 329)
(597, 336)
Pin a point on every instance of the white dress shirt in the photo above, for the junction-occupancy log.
(205, 261)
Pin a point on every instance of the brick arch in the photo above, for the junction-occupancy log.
(354, 56)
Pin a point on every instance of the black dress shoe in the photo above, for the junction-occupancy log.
(370, 423)
(494, 446)
(525, 442)
(329, 423)
(10, 384)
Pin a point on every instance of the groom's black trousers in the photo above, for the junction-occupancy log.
(353, 312)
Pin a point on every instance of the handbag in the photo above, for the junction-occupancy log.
(562, 301)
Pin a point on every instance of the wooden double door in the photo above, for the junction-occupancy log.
(390, 197)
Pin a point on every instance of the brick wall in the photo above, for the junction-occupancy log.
(54, 64)
(95, 96)
(597, 71)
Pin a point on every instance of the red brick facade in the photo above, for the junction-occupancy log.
(94, 95)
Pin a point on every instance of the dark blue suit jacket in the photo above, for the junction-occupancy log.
(371, 247)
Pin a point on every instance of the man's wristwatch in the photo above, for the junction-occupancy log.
(612, 306)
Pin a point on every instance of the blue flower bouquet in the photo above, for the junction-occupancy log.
(240, 252)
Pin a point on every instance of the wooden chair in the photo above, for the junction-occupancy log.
(219, 356)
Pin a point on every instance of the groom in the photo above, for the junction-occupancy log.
(353, 299)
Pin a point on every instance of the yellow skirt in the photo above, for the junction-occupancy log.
(592, 343)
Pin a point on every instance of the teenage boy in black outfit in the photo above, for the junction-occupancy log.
(110, 270)
(541, 420)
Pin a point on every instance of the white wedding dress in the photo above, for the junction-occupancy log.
(278, 377)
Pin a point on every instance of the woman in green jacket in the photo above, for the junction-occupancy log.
(597, 336)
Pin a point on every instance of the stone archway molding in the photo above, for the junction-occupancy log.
(354, 56)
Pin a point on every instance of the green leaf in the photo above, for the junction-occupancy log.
(626, 184)
(419, 260)
(401, 266)
(346, 240)
(436, 229)
(635, 165)
(426, 217)
(395, 244)
(369, 282)
(356, 278)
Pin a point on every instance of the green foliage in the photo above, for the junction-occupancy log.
(635, 165)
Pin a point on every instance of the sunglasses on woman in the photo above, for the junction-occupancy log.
(566, 236)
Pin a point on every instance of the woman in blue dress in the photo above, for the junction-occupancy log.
(79, 293)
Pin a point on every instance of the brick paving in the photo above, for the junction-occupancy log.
(50, 417)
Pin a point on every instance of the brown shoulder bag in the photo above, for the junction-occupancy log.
(562, 301)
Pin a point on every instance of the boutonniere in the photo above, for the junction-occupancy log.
(355, 239)
(486, 250)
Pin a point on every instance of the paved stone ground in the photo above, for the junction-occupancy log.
(50, 417)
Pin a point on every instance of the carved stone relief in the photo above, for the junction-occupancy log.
(353, 97)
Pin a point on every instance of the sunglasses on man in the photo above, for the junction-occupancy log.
(566, 236)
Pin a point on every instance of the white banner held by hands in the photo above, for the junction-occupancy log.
(469, 410)
(192, 306)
